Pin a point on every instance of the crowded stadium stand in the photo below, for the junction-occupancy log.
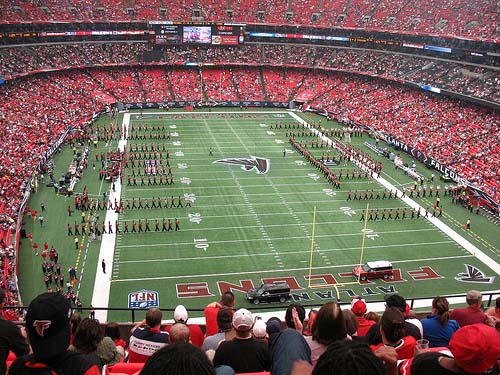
(462, 18)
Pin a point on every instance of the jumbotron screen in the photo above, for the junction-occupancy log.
(214, 34)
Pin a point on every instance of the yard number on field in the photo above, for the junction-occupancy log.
(329, 192)
(195, 218)
(370, 233)
(348, 211)
(201, 243)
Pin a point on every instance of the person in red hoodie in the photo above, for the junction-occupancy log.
(358, 307)
(392, 329)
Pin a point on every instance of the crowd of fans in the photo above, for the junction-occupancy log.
(459, 18)
(459, 136)
(333, 340)
(470, 80)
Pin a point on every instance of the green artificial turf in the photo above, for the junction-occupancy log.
(245, 227)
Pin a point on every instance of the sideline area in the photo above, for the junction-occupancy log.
(102, 283)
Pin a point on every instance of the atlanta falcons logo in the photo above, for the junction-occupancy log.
(474, 275)
(41, 326)
(261, 165)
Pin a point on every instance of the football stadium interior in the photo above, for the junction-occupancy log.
(160, 153)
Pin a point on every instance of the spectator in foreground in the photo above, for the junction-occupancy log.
(179, 332)
(350, 322)
(112, 330)
(438, 328)
(392, 300)
(11, 337)
(47, 324)
(494, 314)
(310, 320)
(351, 357)
(358, 307)
(286, 348)
(210, 312)
(147, 337)
(259, 329)
(392, 329)
(472, 313)
(475, 349)
(244, 353)
(328, 327)
(181, 316)
(90, 340)
(224, 321)
(180, 358)
(295, 316)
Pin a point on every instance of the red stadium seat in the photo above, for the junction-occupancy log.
(123, 368)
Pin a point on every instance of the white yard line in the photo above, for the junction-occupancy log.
(102, 284)
(298, 251)
(278, 270)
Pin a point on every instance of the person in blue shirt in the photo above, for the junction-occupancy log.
(438, 327)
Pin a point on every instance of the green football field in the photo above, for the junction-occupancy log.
(260, 212)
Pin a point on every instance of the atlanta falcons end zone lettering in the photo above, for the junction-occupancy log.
(261, 165)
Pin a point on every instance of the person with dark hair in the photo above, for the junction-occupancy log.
(211, 310)
(147, 337)
(295, 316)
(392, 329)
(328, 327)
(351, 323)
(11, 337)
(180, 358)
(244, 353)
(47, 324)
(349, 357)
(224, 320)
(112, 330)
(438, 328)
(89, 339)
(393, 300)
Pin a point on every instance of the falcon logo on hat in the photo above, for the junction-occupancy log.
(41, 326)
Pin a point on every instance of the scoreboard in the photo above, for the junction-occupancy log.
(210, 34)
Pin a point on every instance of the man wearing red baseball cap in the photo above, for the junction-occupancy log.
(358, 307)
(475, 349)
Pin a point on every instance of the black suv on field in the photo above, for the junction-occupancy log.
(277, 292)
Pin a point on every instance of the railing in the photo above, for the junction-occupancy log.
(378, 305)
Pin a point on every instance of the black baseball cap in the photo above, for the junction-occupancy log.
(47, 323)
